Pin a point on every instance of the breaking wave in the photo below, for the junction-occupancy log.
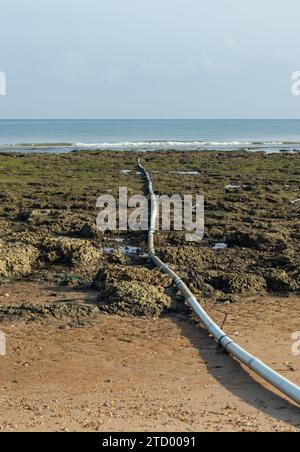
(265, 146)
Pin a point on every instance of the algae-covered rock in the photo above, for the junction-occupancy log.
(188, 256)
(116, 257)
(60, 311)
(258, 240)
(17, 259)
(280, 281)
(89, 231)
(236, 283)
(75, 253)
(115, 273)
(259, 221)
(196, 281)
(52, 220)
(136, 299)
(71, 280)
(134, 290)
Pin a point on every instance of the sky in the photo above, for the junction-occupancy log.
(149, 58)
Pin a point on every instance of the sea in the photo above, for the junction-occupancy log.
(66, 135)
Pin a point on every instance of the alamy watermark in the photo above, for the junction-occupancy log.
(296, 83)
(2, 344)
(177, 213)
(2, 83)
(296, 344)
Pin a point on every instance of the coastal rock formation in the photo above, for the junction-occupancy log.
(89, 231)
(137, 299)
(135, 291)
(49, 222)
(58, 221)
(236, 283)
(17, 259)
(279, 280)
(188, 256)
(114, 273)
(62, 311)
(257, 240)
(75, 253)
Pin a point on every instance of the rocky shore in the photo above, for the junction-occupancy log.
(48, 233)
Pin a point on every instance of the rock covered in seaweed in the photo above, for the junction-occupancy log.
(136, 291)
(136, 299)
(17, 259)
(236, 283)
(75, 253)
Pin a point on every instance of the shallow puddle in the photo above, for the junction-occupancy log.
(220, 246)
(127, 250)
(186, 173)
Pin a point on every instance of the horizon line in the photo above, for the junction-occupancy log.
(153, 119)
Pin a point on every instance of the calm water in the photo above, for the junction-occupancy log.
(67, 135)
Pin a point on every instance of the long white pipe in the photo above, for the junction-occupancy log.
(275, 379)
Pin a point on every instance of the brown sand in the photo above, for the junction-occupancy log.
(136, 374)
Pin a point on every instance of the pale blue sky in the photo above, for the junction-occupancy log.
(149, 58)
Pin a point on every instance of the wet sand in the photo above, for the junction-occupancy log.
(134, 374)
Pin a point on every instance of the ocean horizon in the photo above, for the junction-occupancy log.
(67, 135)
